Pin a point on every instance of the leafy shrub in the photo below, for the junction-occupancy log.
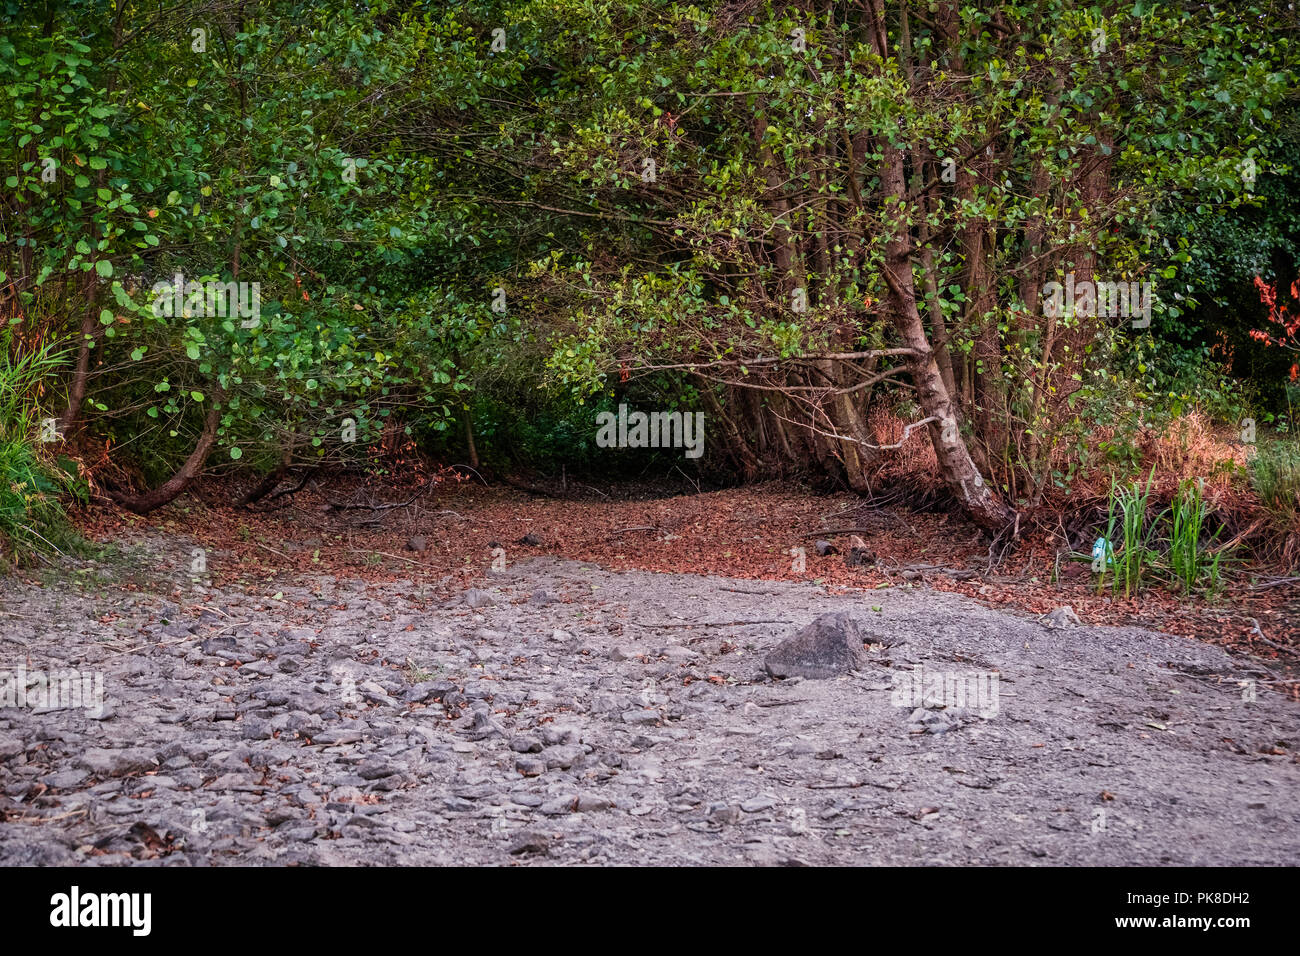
(32, 520)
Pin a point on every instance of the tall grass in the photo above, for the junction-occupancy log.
(1185, 558)
(1275, 476)
(1133, 502)
(1190, 559)
(32, 520)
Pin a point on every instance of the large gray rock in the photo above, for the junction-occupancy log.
(828, 647)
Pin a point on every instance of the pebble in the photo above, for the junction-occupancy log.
(530, 766)
(476, 598)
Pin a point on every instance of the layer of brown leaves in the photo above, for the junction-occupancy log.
(741, 533)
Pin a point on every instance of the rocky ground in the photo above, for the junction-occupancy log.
(562, 713)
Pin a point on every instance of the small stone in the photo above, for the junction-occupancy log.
(475, 597)
(562, 758)
(255, 728)
(484, 725)
(117, 763)
(530, 841)
(724, 813)
(64, 779)
(280, 815)
(430, 690)
(530, 766)
(1060, 617)
(336, 737)
(374, 693)
(107, 712)
(374, 768)
(640, 716)
(553, 735)
(558, 806)
(526, 745)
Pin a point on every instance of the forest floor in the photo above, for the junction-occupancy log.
(346, 679)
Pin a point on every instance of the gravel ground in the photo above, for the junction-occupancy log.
(561, 713)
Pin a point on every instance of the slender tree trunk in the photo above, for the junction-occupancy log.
(737, 448)
(173, 486)
(469, 439)
(959, 473)
(81, 371)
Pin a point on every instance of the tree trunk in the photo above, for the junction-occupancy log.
(90, 334)
(173, 486)
(469, 439)
(268, 483)
(959, 473)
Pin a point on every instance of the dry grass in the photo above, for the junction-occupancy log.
(914, 464)
(1192, 447)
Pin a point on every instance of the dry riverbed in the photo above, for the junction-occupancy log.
(563, 713)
